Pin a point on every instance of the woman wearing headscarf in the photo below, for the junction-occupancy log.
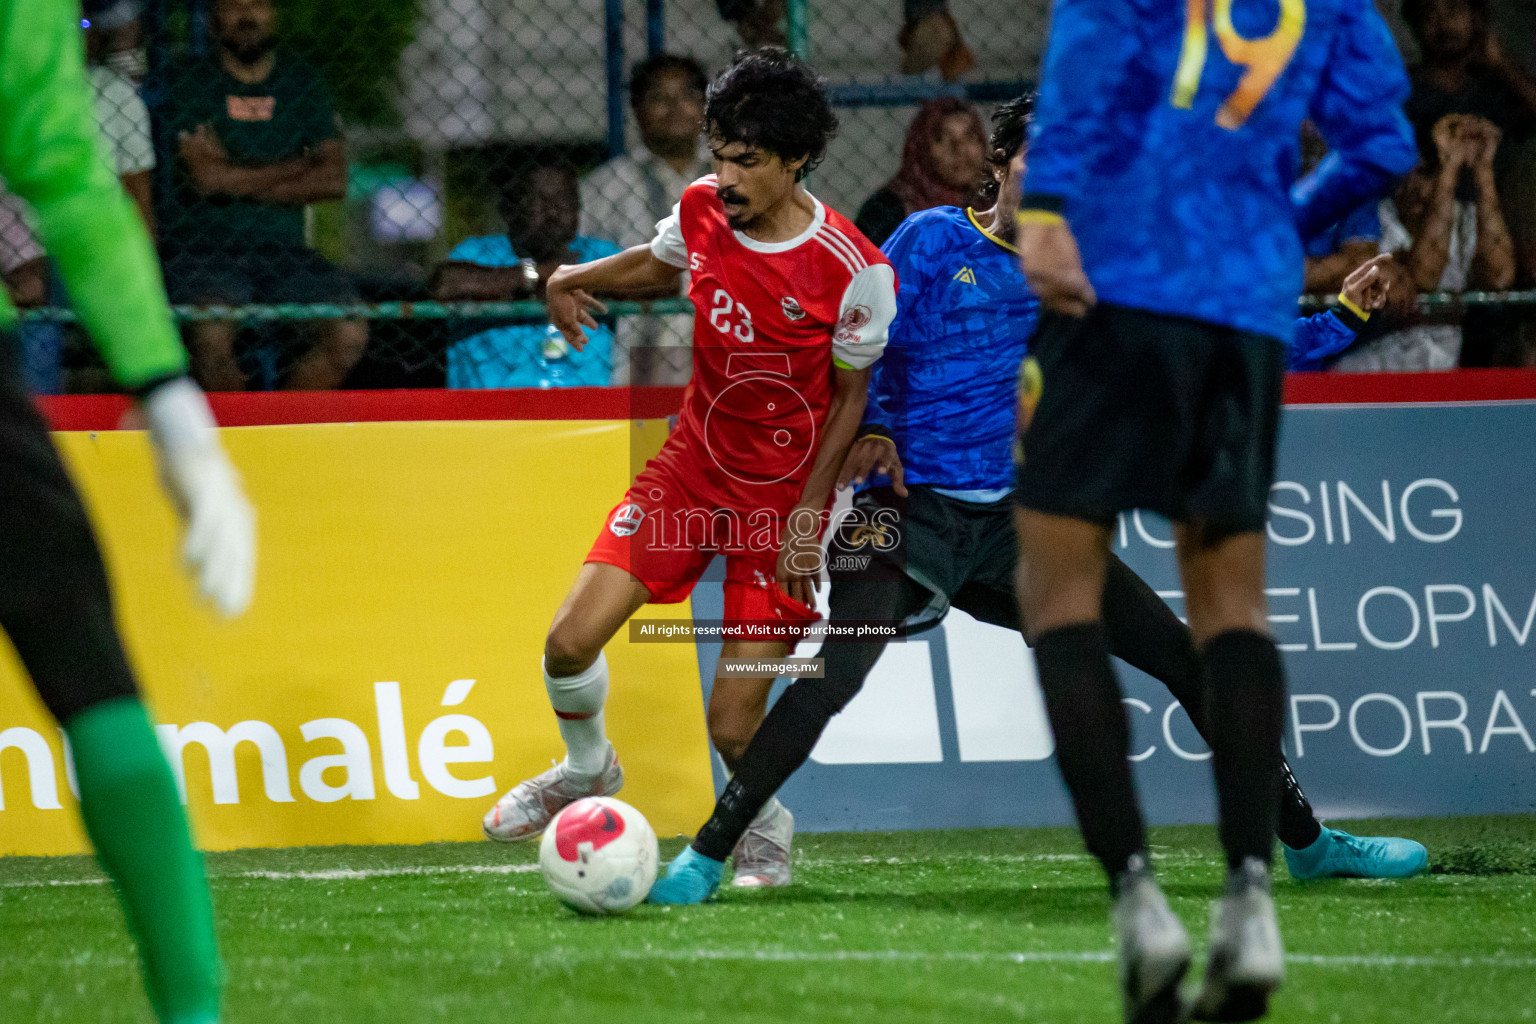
(943, 162)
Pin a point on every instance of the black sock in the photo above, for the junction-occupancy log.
(1246, 687)
(1298, 827)
(1144, 632)
(1092, 741)
(783, 742)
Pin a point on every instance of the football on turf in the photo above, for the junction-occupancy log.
(599, 855)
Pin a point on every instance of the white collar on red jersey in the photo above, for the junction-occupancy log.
(817, 221)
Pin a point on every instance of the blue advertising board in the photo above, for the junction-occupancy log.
(1402, 591)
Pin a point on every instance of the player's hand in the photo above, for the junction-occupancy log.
(871, 456)
(1054, 268)
(570, 308)
(1368, 285)
(799, 566)
(220, 546)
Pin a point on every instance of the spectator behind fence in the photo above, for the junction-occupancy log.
(1463, 69)
(929, 36)
(122, 121)
(542, 213)
(23, 266)
(943, 163)
(624, 198)
(257, 141)
(1446, 243)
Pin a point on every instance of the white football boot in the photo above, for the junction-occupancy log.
(528, 807)
(762, 855)
(1153, 948)
(1246, 961)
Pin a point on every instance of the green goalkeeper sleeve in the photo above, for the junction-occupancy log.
(51, 156)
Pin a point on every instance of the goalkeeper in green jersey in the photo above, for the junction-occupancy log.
(55, 603)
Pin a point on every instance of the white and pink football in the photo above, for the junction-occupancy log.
(599, 856)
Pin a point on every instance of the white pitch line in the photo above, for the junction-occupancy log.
(1033, 957)
(328, 875)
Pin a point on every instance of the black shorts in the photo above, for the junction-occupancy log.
(1141, 410)
(55, 603)
(959, 553)
(261, 274)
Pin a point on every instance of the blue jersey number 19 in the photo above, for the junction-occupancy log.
(1264, 58)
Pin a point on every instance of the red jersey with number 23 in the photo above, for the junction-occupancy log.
(770, 321)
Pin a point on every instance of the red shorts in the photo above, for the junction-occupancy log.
(659, 535)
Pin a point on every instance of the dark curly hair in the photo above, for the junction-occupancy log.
(772, 100)
(1010, 125)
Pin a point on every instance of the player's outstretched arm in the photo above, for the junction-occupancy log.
(1318, 337)
(633, 273)
(49, 155)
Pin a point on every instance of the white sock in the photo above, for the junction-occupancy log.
(578, 703)
(765, 815)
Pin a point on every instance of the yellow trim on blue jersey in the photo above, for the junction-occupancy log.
(1363, 314)
(970, 215)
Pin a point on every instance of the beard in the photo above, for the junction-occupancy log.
(248, 48)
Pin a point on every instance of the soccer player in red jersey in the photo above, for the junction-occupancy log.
(792, 305)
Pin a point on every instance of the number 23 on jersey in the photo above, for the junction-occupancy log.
(731, 317)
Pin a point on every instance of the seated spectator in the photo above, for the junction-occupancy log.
(541, 214)
(1463, 69)
(760, 22)
(943, 163)
(623, 199)
(929, 38)
(257, 142)
(23, 266)
(121, 117)
(1446, 244)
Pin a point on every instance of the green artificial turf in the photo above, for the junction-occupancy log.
(994, 925)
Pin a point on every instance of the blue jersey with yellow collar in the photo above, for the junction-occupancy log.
(945, 388)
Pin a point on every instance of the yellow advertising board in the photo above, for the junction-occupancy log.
(385, 687)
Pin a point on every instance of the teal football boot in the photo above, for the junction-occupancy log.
(1336, 854)
(690, 878)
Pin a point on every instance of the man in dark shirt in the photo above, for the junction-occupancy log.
(257, 140)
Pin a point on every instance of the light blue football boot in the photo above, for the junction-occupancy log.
(1336, 854)
(690, 878)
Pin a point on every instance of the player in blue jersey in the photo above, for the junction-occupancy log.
(1158, 229)
(937, 532)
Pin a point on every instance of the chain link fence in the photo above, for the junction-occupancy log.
(367, 193)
